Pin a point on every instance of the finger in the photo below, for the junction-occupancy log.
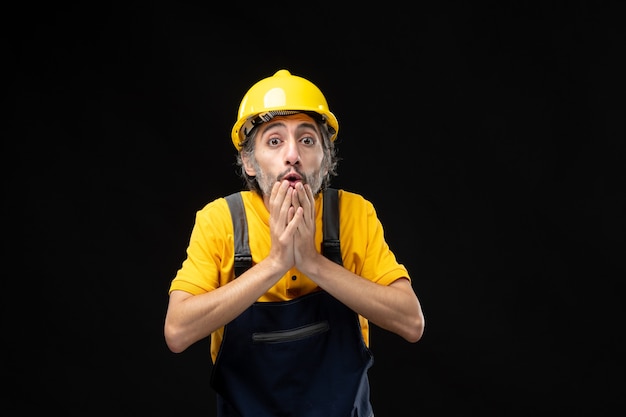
(274, 193)
(280, 201)
(295, 199)
(296, 220)
(290, 214)
(307, 200)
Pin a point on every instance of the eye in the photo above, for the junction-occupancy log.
(273, 141)
(308, 140)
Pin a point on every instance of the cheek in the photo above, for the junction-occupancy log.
(266, 163)
(320, 161)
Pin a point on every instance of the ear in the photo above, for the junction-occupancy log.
(248, 166)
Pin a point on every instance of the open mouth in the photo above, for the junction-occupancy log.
(293, 178)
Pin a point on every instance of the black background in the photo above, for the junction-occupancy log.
(489, 136)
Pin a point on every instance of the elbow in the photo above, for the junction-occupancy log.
(174, 348)
(174, 339)
(414, 335)
(415, 332)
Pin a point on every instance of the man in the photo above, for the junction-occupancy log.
(289, 335)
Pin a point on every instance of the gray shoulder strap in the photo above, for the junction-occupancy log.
(243, 257)
(331, 247)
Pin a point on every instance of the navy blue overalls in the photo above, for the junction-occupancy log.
(300, 358)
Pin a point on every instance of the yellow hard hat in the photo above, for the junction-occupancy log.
(279, 95)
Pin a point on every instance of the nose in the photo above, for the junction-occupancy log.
(292, 154)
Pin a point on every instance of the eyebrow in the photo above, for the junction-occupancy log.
(302, 125)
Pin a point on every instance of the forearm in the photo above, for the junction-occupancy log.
(191, 318)
(393, 307)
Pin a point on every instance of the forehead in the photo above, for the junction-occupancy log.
(297, 118)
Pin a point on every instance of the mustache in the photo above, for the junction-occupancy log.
(302, 175)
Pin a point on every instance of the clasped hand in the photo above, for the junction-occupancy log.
(292, 224)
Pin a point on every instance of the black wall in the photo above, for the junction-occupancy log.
(489, 136)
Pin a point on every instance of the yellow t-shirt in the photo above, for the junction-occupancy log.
(210, 253)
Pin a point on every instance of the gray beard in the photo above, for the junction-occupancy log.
(266, 183)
